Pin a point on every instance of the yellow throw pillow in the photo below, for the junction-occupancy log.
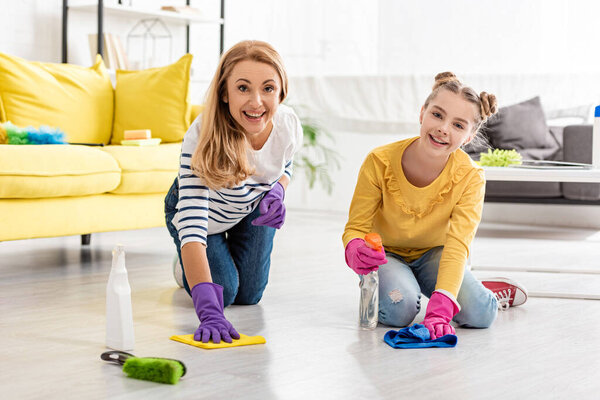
(157, 99)
(78, 100)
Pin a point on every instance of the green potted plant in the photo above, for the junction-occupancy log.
(317, 157)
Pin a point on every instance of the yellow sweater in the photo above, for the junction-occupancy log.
(411, 220)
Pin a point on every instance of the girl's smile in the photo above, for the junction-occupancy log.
(436, 141)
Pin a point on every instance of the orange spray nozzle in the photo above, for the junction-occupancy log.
(373, 240)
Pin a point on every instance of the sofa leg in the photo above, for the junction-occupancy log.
(85, 239)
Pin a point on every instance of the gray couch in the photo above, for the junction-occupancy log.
(523, 127)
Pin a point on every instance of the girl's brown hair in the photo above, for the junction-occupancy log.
(485, 103)
(220, 157)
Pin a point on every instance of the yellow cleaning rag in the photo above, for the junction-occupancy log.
(242, 341)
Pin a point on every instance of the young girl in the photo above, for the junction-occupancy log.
(424, 196)
(236, 162)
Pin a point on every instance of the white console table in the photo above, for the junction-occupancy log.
(546, 175)
(542, 175)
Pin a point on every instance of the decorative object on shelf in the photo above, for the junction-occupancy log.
(148, 37)
(115, 56)
(182, 10)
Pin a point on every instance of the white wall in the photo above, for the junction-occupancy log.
(358, 37)
(348, 37)
(31, 29)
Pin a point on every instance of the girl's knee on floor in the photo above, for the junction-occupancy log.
(398, 307)
(477, 311)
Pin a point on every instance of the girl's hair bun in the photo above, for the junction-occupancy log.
(486, 102)
(444, 77)
(489, 105)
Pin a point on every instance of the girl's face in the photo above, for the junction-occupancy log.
(447, 123)
(253, 91)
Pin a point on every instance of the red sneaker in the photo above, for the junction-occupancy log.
(508, 292)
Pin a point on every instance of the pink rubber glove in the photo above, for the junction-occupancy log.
(362, 259)
(440, 311)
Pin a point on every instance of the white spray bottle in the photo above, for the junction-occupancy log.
(119, 319)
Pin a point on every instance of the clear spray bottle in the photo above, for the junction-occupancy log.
(368, 313)
(119, 318)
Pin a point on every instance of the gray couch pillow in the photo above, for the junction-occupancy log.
(522, 126)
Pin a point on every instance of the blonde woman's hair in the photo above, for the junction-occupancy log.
(220, 157)
(485, 103)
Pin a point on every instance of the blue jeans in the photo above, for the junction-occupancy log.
(401, 284)
(239, 259)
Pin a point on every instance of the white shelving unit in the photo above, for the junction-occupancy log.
(130, 11)
(139, 12)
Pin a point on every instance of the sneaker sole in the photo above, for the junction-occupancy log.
(177, 272)
(520, 294)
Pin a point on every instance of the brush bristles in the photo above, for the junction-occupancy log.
(153, 369)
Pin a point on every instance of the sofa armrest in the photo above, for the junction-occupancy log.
(578, 148)
(578, 143)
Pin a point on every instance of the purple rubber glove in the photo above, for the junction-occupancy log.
(362, 259)
(272, 209)
(208, 301)
(440, 311)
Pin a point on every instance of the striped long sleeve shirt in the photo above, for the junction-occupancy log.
(202, 211)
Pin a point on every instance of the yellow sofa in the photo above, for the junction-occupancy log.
(58, 190)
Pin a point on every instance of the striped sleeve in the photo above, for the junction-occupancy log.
(295, 144)
(192, 224)
(289, 168)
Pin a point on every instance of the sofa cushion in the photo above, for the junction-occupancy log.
(55, 171)
(157, 99)
(522, 126)
(76, 99)
(146, 169)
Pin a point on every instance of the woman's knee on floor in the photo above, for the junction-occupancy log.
(398, 307)
(477, 312)
(249, 295)
(229, 294)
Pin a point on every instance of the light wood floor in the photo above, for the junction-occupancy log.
(52, 300)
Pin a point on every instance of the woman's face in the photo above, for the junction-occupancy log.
(447, 123)
(253, 91)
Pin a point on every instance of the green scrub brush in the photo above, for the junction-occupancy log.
(162, 370)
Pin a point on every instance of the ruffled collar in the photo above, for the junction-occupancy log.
(427, 197)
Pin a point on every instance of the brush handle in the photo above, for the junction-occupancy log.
(118, 357)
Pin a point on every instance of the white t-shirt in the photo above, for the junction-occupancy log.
(202, 211)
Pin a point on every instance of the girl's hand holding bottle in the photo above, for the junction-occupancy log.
(362, 258)
(272, 209)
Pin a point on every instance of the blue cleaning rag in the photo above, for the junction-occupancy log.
(417, 337)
